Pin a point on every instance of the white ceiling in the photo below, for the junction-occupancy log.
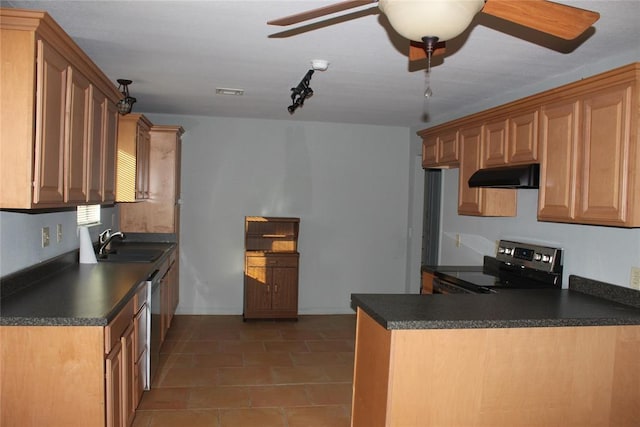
(178, 52)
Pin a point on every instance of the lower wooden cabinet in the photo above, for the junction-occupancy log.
(271, 285)
(169, 296)
(71, 375)
(120, 390)
(495, 376)
(120, 368)
(427, 283)
(114, 366)
(140, 349)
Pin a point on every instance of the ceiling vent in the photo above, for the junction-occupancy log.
(229, 91)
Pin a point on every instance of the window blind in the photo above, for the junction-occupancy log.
(89, 215)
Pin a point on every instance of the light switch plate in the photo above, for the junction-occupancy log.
(45, 237)
(634, 281)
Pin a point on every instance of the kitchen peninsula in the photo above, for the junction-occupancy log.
(518, 357)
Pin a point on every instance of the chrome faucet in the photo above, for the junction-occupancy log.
(106, 237)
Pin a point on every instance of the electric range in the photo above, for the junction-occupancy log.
(517, 265)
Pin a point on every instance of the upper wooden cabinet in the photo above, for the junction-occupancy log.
(591, 160)
(160, 213)
(585, 135)
(51, 127)
(480, 201)
(495, 143)
(440, 149)
(558, 141)
(523, 137)
(133, 158)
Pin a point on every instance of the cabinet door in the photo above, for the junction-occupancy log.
(603, 161)
(469, 199)
(480, 201)
(164, 306)
(77, 139)
(285, 289)
(175, 287)
(448, 147)
(50, 120)
(523, 138)
(257, 292)
(558, 149)
(114, 373)
(110, 148)
(96, 140)
(429, 152)
(496, 140)
(143, 148)
(129, 402)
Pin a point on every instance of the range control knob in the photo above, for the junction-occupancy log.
(537, 256)
(546, 258)
(500, 250)
(508, 251)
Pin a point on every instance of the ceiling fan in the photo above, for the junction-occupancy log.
(429, 23)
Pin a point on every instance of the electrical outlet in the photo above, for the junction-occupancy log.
(45, 237)
(457, 240)
(59, 233)
(634, 281)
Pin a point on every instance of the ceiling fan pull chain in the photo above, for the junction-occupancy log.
(428, 93)
(429, 44)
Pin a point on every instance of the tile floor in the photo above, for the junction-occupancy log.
(218, 371)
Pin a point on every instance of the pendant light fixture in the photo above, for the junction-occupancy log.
(126, 103)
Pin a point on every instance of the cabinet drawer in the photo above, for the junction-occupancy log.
(272, 261)
(114, 330)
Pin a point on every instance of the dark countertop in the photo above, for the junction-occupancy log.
(513, 308)
(78, 294)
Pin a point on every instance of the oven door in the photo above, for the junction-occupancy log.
(443, 287)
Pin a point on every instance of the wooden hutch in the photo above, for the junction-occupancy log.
(271, 267)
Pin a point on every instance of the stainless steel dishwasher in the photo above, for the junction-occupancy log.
(154, 329)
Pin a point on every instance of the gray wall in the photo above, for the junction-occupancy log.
(349, 184)
(601, 253)
(20, 236)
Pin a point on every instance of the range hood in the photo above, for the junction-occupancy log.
(520, 176)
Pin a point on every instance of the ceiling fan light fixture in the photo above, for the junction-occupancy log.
(444, 19)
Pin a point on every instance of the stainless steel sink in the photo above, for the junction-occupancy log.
(131, 255)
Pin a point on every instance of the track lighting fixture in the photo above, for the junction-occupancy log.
(125, 104)
(301, 92)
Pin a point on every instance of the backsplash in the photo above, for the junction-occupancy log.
(21, 241)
